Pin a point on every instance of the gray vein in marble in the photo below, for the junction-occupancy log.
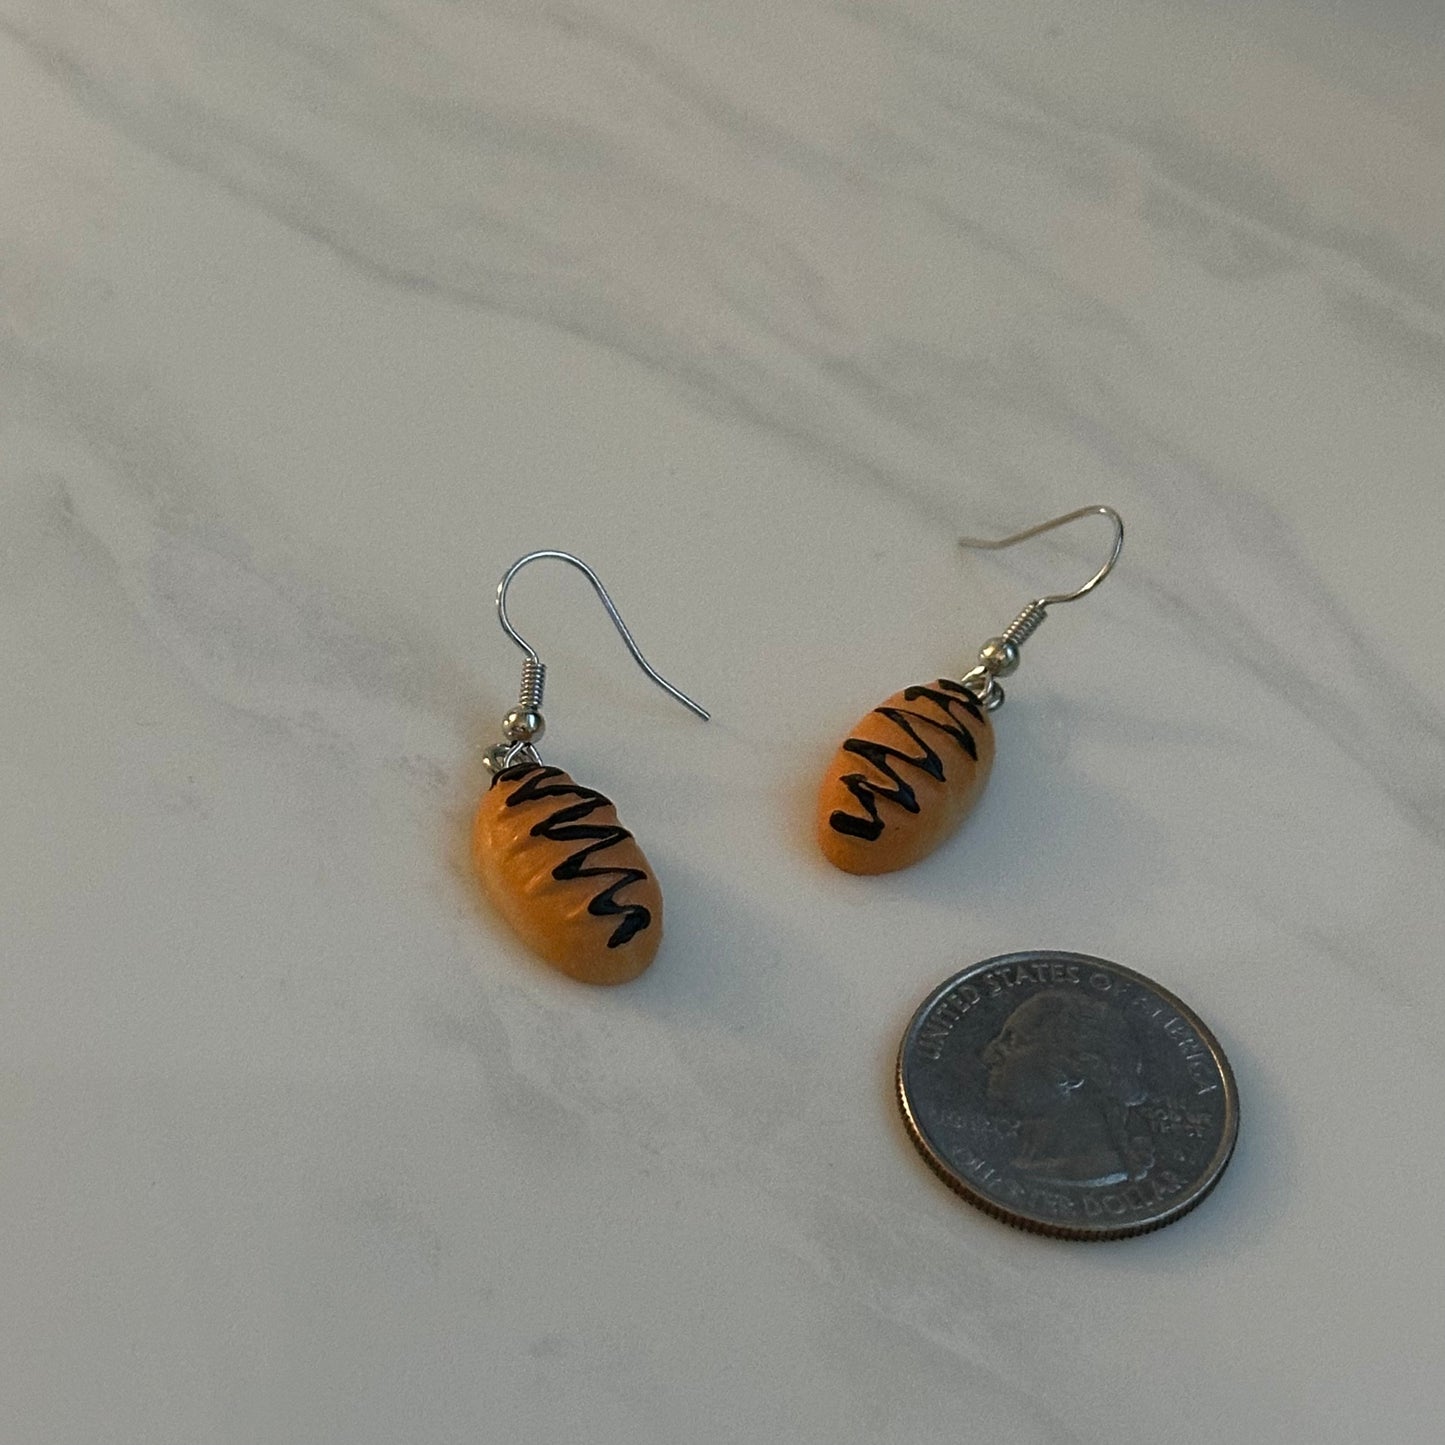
(258, 645)
(1211, 175)
(737, 377)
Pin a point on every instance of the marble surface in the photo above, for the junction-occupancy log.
(313, 316)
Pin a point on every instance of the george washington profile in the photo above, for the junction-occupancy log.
(1069, 1069)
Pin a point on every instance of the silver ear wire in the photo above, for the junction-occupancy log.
(999, 656)
(524, 724)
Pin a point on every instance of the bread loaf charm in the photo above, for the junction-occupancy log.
(551, 854)
(566, 875)
(913, 768)
(904, 778)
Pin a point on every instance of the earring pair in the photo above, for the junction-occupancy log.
(572, 881)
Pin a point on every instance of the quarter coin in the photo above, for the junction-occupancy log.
(1067, 1095)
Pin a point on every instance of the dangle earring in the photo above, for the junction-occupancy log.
(913, 768)
(553, 858)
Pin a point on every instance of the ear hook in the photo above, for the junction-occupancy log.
(1093, 582)
(525, 724)
(999, 656)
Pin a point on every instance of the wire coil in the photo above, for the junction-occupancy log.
(1025, 624)
(534, 684)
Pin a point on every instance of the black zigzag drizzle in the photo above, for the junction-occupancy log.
(946, 696)
(565, 825)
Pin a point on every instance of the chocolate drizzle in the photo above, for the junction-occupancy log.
(946, 696)
(566, 825)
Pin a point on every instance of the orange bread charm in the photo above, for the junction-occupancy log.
(567, 875)
(905, 778)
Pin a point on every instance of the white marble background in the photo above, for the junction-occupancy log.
(316, 313)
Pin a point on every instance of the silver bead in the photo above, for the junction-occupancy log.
(523, 725)
(999, 656)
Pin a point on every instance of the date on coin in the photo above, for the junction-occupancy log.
(1067, 1095)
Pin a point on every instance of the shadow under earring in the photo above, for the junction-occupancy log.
(911, 771)
(551, 854)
